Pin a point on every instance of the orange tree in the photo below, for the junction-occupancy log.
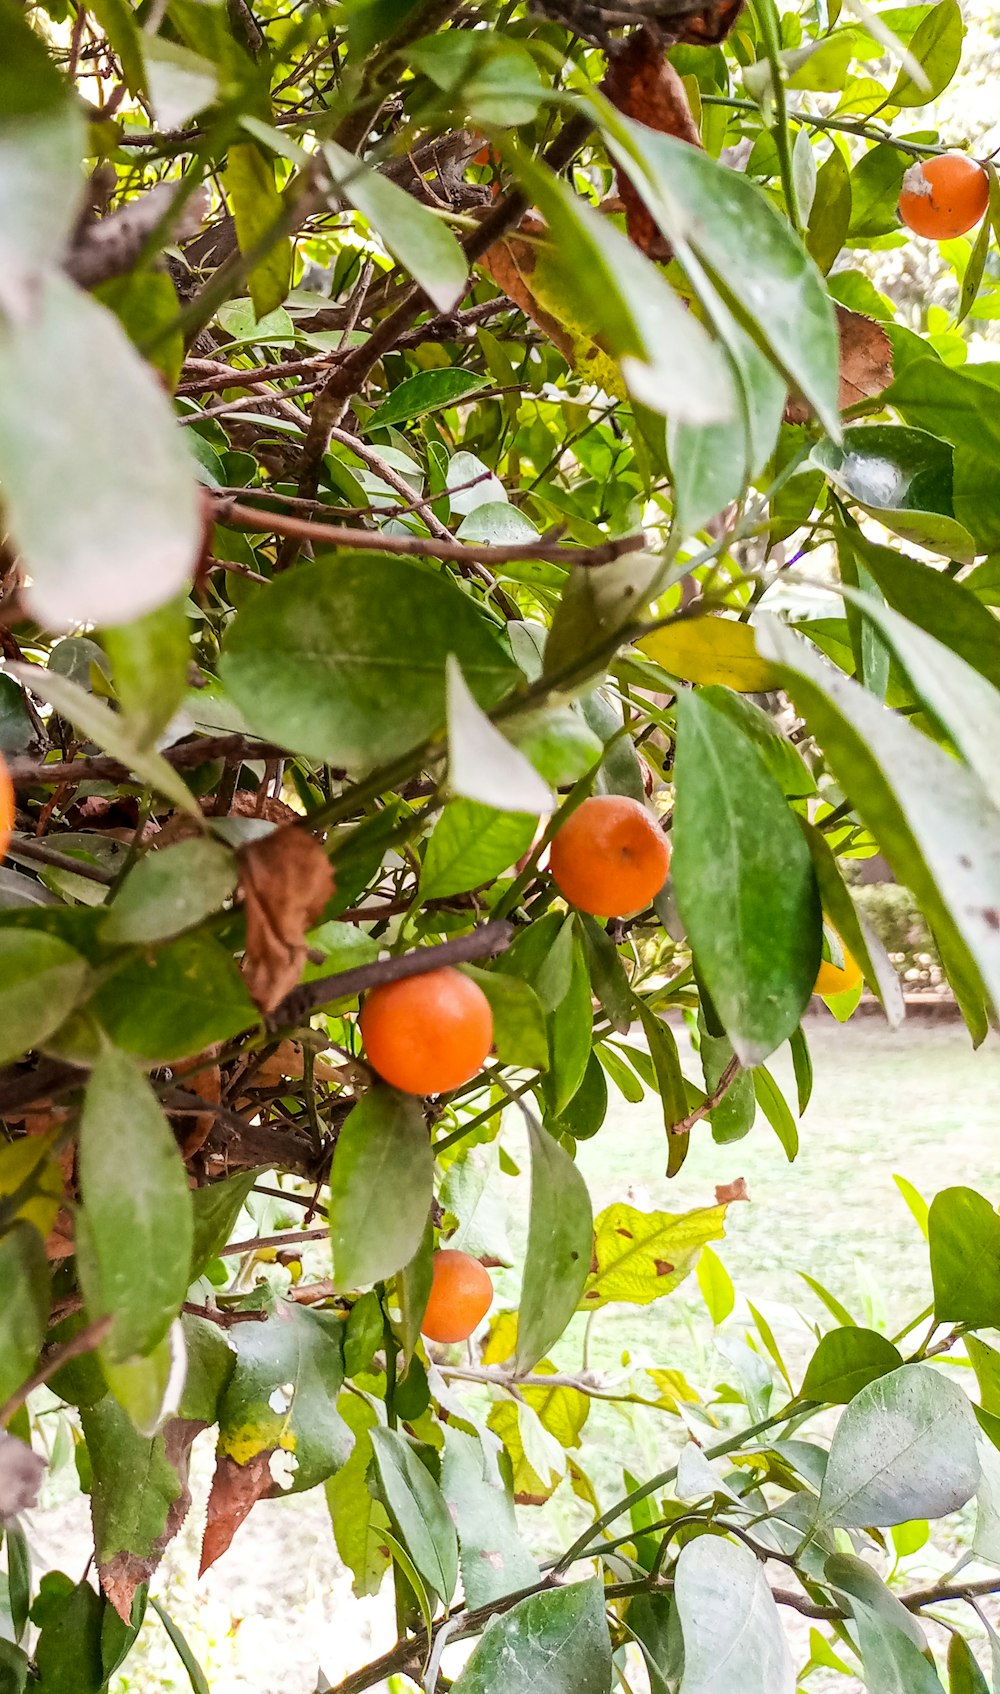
(411, 415)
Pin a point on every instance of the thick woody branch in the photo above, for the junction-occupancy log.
(481, 943)
(110, 246)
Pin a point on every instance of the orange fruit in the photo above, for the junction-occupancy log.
(427, 1034)
(610, 857)
(7, 809)
(944, 196)
(837, 979)
(461, 1295)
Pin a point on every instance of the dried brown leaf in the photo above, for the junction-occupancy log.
(643, 85)
(235, 1491)
(510, 263)
(727, 1192)
(865, 364)
(206, 1081)
(125, 1572)
(286, 879)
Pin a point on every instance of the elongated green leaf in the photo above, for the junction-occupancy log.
(569, 1030)
(963, 1233)
(417, 1510)
(195, 1675)
(744, 881)
(170, 891)
(383, 1146)
(427, 391)
(413, 235)
(41, 980)
(554, 1643)
(904, 1448)
(493, 1559)
(936, 45)
(123, 536)
(216, 1208)
(775, 1108)
(750, 253)
(257, 205)
(641, 1256)
(712, 464)
(42, 138)
(471, 845)
(830, 217)
(560, 1234)
(136, 1491)
(358, 1517)
(344, 659)
(24, 1301)
(666, 1064)
(149, 660)
(845, 1361)
(733, 1640)
(930, 815)
(964, 1674)
(518, 1019)
(903, 477)
(482, 764)
(99, 723)
(175, 1001)
(136, 1208)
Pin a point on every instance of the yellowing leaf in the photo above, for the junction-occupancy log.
(641, 1255)
(548, 1424)
(673, 1389)
(712, 650)
(28, 1159)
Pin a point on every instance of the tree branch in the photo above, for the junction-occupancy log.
(481, 943)
(84, 1341)
(710, 1101)
(32, 773)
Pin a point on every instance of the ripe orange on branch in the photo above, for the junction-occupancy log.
(837, 979)
(610, 857)
(8, 809)
(461, 1295)
(427, 1034)
(944, 196)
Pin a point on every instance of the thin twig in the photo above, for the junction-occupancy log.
(31, 773)
(289, 1240)
(84, 1341)
(710, 1101)
(26, 847)
(481, 943)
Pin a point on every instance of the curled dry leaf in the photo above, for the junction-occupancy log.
(205, 1080)
(286, 880)
(865, 364)
(122, 1574)
(727, 1192)
(235, 1491)
(21, 1473)
(643, 84)
(511, 264)
(287, 1063)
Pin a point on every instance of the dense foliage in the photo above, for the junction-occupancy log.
(416, 418)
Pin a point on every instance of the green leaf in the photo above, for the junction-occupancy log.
(427, 391)
(176, 1001)
(560, 1235)
(904, 1448)
(570, 1026)
(42, 137)
(358, 1517)
(904, 478)
(952, 404)
(135, 1484)
(667, 1073)
(215, 1209)
(936, 45)
(608, 977)
(553, 1643)
(344, 660)
(584, 1114)
(414, 236)
(170, 891)
(283, 1393)
(733, 1639)
(123, 535)
(938, 605)
(97, 722)
(136, 1208)
(67, 1655)
(845, 1361)
(417, 1510)
(964, 1674)
(149, 661)
(754, 922)
(146, 305)
(830, 217)
(750, 253)
(493, 1559)
(775, 1108)
(929, 814)
(257, 206)
(518, 1019)
(482, 764)
(195, 1675)
(875, 184)
(383, 1141)
(964, 1240)
(712, 465)
(41, 980)
(24, 1301)
(803, 1067)
(641, 1256)
(471, 845)
(716, 1285)
(414, 1284)
(973, 277)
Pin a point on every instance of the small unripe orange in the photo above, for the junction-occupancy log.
(461, 1295)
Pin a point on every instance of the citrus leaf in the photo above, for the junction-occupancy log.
(413, 235)
(471, 845)
(169, 891)
(41, 980)
(177, 1000)
(482, 764)
(641, 1256)
(493, 1559)
(427, 391)
(560, 1233)
(358, 1518)
(417, 1510)
(383, 1140)
(963, 1233)
(733, 1639)
(257, 206)
(24, 1301)
(845, 1361)
(554, 1643)
(711, 650)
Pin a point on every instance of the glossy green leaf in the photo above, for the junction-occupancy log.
(938, 605)
(383, 1144)
(149, 662)
(41, 980)
(555, 1642)
(170, 891)
(964, 1674)
(24, 1301)
(569, 1029)
(483, 765)
(195, 1675)
(417, 1510)
(830, 216)
(712, 463)
(754, 923)
(518, 1019)
(42, 137)
(215, 1209)
(665, 1059)
(733, 1639)
(905, 478)
(875, 184)
(414, 1284)
(560, 1235)
(136, 1208)
(67, 1654)
(904, 1448)
(414, 236)
(358, 1518)
(845, 1361)
(775, 1108)
(716, 1285)
(936, 45)
(964, 1242)
(344, 659)
(427, 391)
(257, 206)
(471, 845)
(493, 1559)
(123, 536)
(176, 1001)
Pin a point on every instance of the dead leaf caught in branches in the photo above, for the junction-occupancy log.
(286, 880)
